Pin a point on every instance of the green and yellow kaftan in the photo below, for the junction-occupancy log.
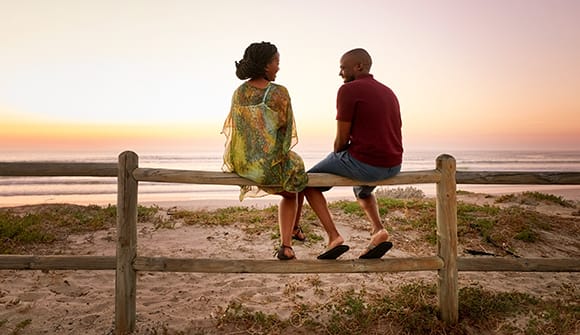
(260, 131)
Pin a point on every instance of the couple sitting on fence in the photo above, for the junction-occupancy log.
(260, 131)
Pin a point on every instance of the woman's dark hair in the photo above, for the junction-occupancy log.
(256, 57)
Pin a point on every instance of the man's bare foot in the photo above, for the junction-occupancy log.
(378, 245)
(336, 242)
(379, 237)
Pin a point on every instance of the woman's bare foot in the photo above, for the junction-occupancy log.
(298, 234)
(285, 253)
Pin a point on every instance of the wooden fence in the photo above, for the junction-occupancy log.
(127, 263)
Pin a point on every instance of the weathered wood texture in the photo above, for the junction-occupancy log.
(514, 177)
(297, 266)
(446, 212)
(491, 264)
(73, 169)
(126, 276)
(58, 169)
(25, 262)
(484, 264)
(314, 179)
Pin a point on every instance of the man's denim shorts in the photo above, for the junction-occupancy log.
(343, 164)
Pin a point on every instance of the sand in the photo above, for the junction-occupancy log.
(82, 302)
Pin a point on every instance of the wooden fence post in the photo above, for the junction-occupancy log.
(447, 239)
(126, 278)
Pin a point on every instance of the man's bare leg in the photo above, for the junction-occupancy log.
(371, 208)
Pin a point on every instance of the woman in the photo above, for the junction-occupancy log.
(260, 131)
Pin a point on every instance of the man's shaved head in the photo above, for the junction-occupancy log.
(360, 56)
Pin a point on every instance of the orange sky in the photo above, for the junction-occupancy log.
(111, 75)
(25, 135)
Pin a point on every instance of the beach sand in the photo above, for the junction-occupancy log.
(82, 302)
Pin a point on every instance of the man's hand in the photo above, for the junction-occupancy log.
(342, 139)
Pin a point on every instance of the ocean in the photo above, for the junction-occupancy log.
(101, 190)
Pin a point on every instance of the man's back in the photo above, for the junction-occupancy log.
(373, 110)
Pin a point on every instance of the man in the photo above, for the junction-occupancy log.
(368, 147)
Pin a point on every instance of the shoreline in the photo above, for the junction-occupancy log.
(567, 192)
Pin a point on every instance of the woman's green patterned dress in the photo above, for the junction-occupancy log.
(260, 131)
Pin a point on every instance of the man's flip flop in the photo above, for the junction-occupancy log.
(377, 251)
(334, 253)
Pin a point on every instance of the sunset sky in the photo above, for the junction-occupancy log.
(159, 75)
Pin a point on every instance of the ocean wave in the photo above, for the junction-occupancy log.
(538, 161)
(142, 190)
(44, 181)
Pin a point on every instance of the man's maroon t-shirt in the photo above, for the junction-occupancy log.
(373, 110)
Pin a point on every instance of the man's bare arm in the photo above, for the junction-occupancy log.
(342, 139)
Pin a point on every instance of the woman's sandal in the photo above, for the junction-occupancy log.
(298, 234)
(282, 256)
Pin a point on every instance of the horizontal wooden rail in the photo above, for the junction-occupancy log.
(72, 169)
(58, 169)
(513, 177)
(60, 262)
(275, 266)
(489, 264)
(518, 264)
(315, 179)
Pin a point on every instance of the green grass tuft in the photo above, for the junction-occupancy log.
(47, 224)
(410, 309)
(533, 198)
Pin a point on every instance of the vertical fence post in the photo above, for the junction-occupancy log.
(447, 239)
(126, 278)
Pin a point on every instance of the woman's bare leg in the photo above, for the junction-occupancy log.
(318, 203)
(286, 219)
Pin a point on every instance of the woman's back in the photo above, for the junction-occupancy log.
(261, 131)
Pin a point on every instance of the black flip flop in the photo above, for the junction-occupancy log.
(377, 251)
(334, 253)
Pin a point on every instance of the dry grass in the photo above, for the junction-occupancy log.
(405, 309)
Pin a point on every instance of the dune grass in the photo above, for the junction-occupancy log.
(406, 309)
(23, 229)
(493, 225)
(410, 309)
(533, 198)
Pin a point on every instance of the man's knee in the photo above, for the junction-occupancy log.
(363, 192)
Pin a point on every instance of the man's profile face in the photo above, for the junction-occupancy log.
(347, 68)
